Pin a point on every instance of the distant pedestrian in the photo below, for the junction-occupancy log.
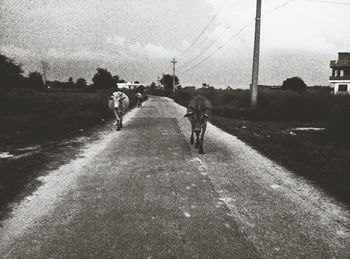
(138, 99)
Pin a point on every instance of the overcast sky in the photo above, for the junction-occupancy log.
(137, 39)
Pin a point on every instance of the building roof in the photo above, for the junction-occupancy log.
(343, 60)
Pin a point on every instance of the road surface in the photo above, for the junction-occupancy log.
(144, 192)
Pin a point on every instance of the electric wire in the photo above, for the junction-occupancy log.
(328, 2)
(216, 35)
(233, 37)
(205, 28)
(219, 48)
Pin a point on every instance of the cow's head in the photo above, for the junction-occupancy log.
(118, 97)
(197, 119)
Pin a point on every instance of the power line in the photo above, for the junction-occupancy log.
(234, 36)
(222, 33)
(205, 28)
(328, 2)
(219, 48)
(280, 6)
(208, 46)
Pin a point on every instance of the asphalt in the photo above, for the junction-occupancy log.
(144, 192)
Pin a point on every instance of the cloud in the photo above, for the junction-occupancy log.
(13, 51)
(116, 40)
(152, 51)
(185, 44)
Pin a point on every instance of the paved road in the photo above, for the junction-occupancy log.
(145, 193)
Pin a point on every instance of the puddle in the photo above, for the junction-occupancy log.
(30, 148)
(275, 186)
(187, 215)
(227, 200)
(4, 155)
(308, 129)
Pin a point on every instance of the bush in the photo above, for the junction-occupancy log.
(43, 114)
(183, 97)
(294, 84)
(291, 106)
(339, 119)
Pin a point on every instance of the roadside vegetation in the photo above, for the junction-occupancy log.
(37, 112)
(321, 156)
(31, 109)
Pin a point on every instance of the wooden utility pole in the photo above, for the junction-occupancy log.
(255, 76)
(174, 62)
(45, 67)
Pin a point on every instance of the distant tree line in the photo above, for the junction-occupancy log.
(11, 76)
(167, 82)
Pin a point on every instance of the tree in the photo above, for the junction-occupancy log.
(294, 83)
(140, 89)
(153, 86)
(81, 83)
(70, 82)
(103, 79)
(167, 81)
(35, 80)
(116, 79)
(10, 72)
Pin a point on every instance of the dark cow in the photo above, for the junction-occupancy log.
(198, 113)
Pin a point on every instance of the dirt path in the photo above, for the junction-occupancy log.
(145, 193)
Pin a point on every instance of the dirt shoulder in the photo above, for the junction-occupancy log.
(20, 173)
(308, 153)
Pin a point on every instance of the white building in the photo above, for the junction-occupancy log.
(340, 79)
(129, 85)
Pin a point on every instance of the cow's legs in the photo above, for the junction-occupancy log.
(192, 138)
(201, 151)
(116, 117)
(197, 139)
(121, 117)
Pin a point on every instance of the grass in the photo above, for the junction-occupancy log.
(321, 157)
(41, 118)
(38, 116)
(312, 155)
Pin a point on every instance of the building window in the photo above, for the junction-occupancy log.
(335, 72)
(342, 72)
(343, 88)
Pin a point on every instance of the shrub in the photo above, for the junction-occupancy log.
(291, 106)
(339, 119)
(294, 83)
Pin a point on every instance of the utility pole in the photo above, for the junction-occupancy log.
(174, 62)
(255, 75)
(158, 80)
(45, 67)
